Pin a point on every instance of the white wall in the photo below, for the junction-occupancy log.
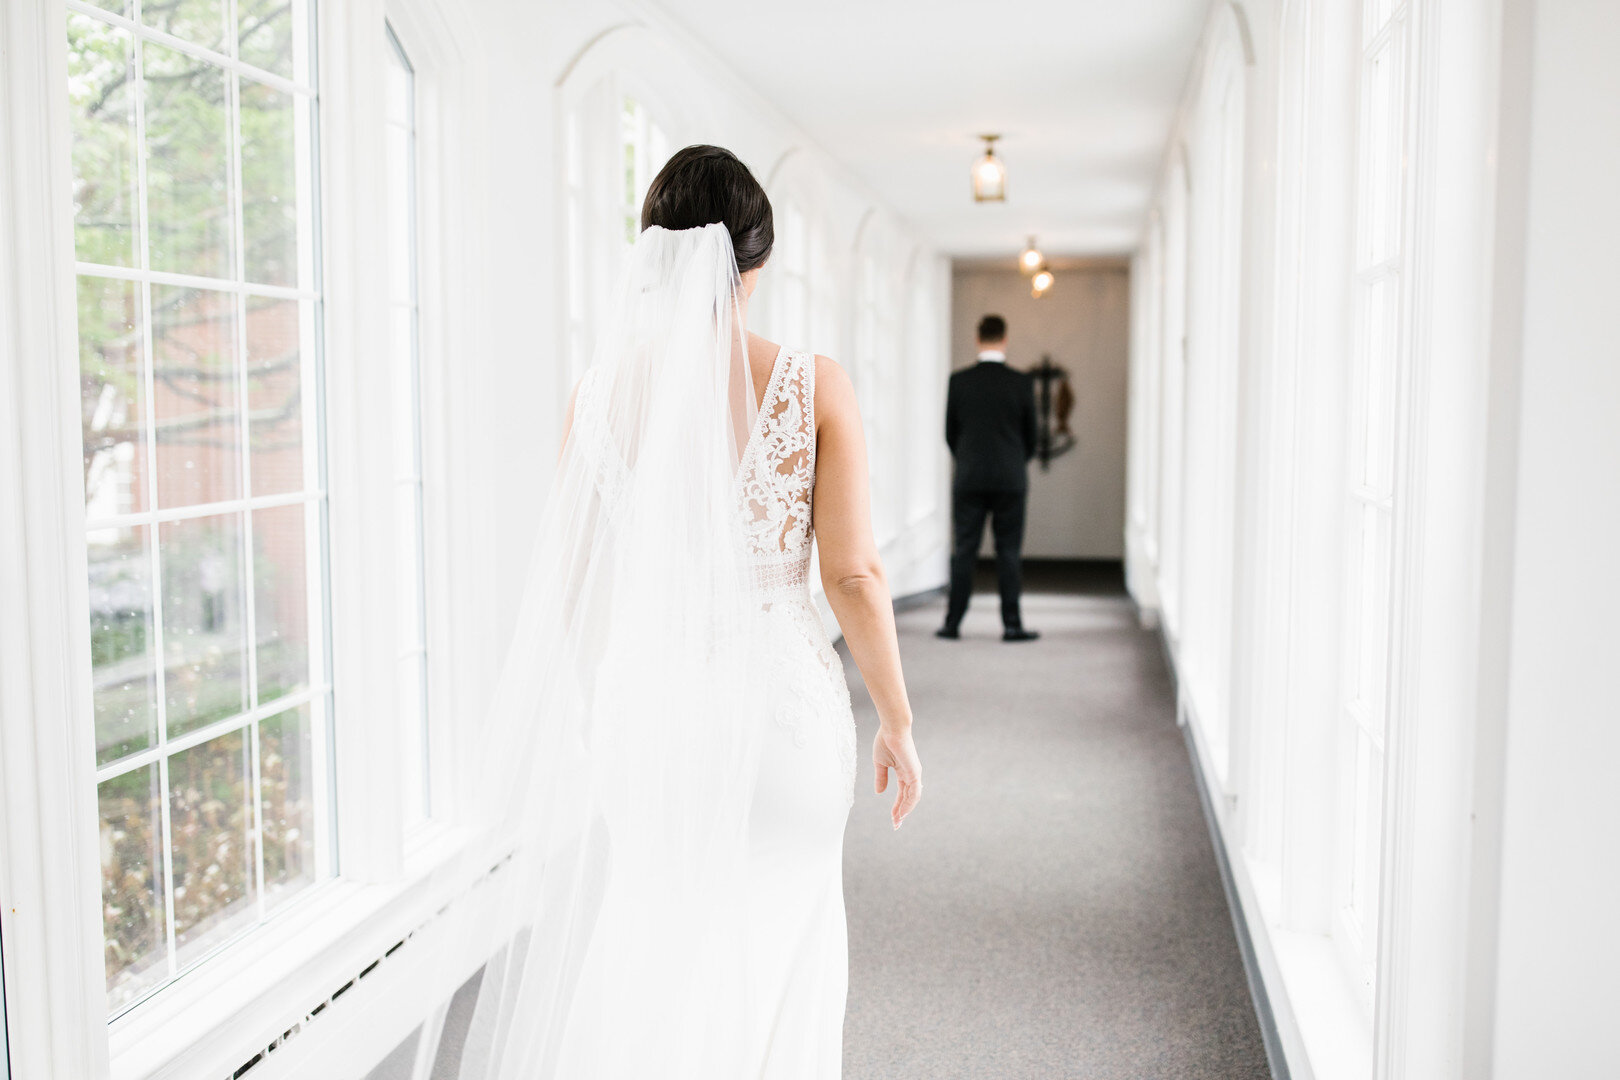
(1077, 507)
(1559, 946)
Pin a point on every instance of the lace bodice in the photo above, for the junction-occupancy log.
(776, 478)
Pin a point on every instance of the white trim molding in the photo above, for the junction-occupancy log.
(50, 861)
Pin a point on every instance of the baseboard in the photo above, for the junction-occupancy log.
(1259, 995)
(1269, 1035)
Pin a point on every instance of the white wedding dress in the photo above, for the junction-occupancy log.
(668, 758)
(797, 942)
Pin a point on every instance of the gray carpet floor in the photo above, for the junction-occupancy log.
(1053, 908)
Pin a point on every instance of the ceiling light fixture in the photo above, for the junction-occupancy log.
(989, 174)
(1031, 259)
(1041, 284)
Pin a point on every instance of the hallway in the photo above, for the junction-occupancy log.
(1059, 911)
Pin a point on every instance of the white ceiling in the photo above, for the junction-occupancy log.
(1082, 91)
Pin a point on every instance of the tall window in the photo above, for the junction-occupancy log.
(612, 148)
(924, 408)
(876, 380)
(1375, 364)
(404, 337)
(645, 150)
(198, 305)
(791, 266)
(1210, 386)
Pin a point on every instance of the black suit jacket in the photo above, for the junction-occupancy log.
(990, 427)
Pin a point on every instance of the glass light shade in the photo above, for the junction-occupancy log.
(989, 174)
(1040, 284)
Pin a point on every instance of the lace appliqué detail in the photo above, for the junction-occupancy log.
(777, 479)
(813, 698)
(776, 483)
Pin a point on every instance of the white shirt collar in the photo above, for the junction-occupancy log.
(994, 355)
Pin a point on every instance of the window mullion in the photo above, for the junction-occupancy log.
(254, 818)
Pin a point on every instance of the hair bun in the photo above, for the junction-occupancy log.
(707, 185)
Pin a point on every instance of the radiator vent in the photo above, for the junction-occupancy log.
(297, 1026)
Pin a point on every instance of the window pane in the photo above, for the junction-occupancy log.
(401, 275)
(1372, 586)
(1376, 370)
(275, 331)
(1368, 825)
(631, 137)
(269, 185)
(270, 35)
(199, 21)
(287, 796)
(176, 384)
(136, 944)
(410, 665)
(204, 639)
(399, 83)
(194, 342)
(123, 664)
(1384, 161)
(410, 676)
(187, 165)
(281, 601)
(101, 100)
(112, 397)
(211, 823)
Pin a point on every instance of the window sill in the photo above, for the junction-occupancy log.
(214, 1018)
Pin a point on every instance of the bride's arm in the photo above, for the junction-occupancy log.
(853, 576)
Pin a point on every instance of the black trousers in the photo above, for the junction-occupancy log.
(1005, 509)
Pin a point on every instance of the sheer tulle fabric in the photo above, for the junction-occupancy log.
(623, 739)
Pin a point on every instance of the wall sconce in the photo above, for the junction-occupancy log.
(989, 174)
(1031, 259)
(1041, 284)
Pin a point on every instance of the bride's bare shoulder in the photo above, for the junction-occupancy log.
(835, 394)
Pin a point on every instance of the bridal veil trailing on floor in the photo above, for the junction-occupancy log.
(669, 756)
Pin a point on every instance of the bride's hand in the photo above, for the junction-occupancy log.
(894, 749)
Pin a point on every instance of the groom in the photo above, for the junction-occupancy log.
(990, 428)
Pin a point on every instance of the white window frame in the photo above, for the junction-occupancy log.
(1379, 263)
(1177, 199)
(1208, 513)
(310, 497)
(409, 483)
(234, 1004)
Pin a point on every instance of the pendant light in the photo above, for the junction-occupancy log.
(1031, 259)
(1041, 283)
(989, 174)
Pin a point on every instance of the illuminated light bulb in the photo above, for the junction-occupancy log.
(989, 174)
(1031, 259)
(1040, 283)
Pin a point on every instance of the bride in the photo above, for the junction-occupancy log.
(670, 755)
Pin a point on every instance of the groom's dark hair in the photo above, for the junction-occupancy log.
(701, 185)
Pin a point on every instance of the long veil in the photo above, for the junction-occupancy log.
(620, 756)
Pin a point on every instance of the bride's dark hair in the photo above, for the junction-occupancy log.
(701, 185)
